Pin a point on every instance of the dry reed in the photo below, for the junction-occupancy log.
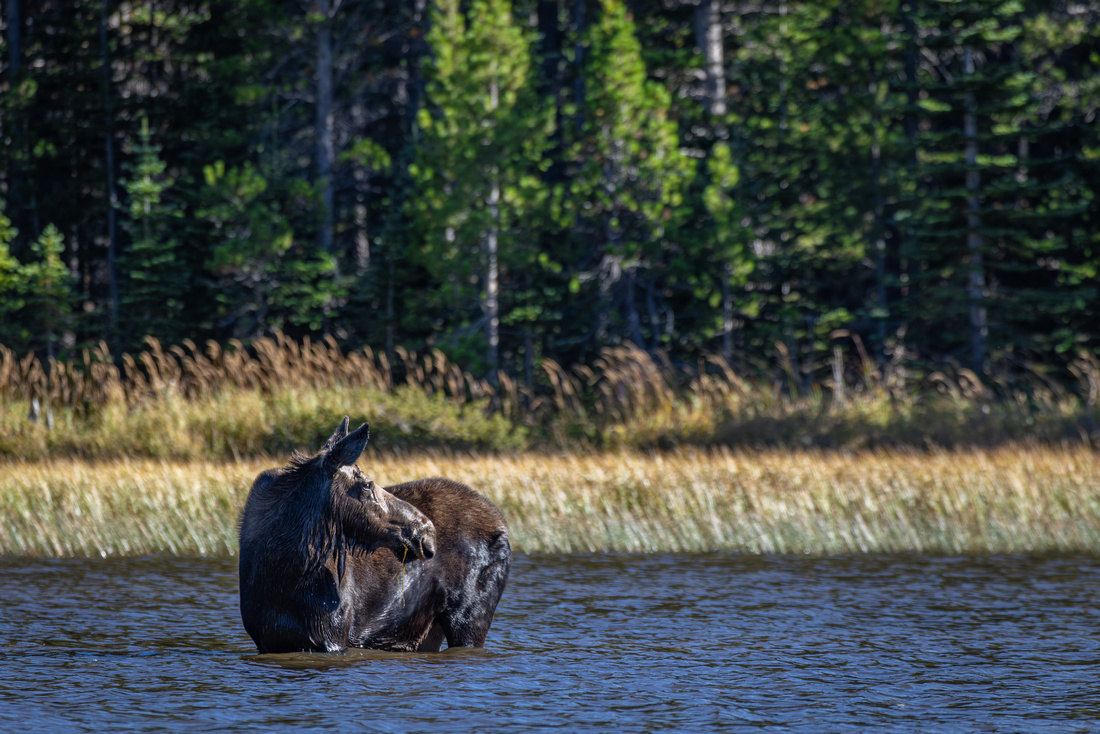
(979, 501)
(184, 402)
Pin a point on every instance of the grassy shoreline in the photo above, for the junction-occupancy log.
(187, 404)
(1002, 500)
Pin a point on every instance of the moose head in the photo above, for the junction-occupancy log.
(361, 511)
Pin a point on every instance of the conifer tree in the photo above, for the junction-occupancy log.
(151, 298)
(47, 291)
(628, 175)
(478, 163)
(10, 279)
(984, 221)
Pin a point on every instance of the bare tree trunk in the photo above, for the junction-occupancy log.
(708, 37)
(362, 238)
(414, 51)
(578, 49)
(879, 231)
(15, 59)
(975, 289)
(633, 321)
(727, 313)
(528, 356)
(492, 302)
(708, 33)
(326, 154)
(782, 67)
(391, 315)
(15, 27)
(112, 193)
(905, 264)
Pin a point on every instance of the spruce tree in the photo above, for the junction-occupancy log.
(984, 222)
(627, 178)
(47, 292)
(477, 171)
(11, 295)
(151, 299)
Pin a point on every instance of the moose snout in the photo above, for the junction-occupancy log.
(427, 542)
(424, 540)
(419, 537)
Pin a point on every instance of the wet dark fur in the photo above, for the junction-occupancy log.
(316, 576)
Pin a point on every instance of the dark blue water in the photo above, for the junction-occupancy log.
(600, 643)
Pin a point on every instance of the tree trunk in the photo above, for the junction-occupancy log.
(550, 50)
(975, 289)
(727, 313)
(325, 126)
(492, 302)
(578, 81)
(633, 321)
(414, 51)
(15, 59)
(391, 314)
(528, 357)
(906, 264)
(708, 36)
(112, 194)
(15, 27)
(879, 231)
(782, 66)
(362, 234)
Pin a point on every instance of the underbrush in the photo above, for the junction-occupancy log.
(278, 395)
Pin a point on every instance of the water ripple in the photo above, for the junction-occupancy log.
(581, 643)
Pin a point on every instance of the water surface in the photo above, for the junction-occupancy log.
(601, 643)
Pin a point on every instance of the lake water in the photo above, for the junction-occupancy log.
(600, 643)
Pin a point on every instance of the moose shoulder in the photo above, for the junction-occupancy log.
(330, 560)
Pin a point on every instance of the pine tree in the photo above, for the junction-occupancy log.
(151, 300)
(628, 177)
(11, 281)
(985, 221)
(477, 168)
(728, 243)
(47, 291)
(266, 278)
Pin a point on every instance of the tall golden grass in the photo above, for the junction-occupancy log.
(976, 501)
(184, 402)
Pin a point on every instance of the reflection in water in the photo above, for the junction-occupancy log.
(599, 643)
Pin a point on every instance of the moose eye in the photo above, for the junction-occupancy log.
(365, 492)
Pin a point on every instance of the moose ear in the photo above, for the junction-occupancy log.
(345, 451)
(340, 432)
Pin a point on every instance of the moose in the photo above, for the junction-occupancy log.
(330, 560)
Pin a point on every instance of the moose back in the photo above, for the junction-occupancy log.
(329, 560)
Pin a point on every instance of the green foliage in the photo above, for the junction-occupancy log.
(151, 300)
(265, 277)
(47, 288)
(576, 165)
(628, 175)
(477, 173)
(11, 297)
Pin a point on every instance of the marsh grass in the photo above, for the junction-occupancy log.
(187, 403)
(1013, 499)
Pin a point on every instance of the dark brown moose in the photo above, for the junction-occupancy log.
(330, 560)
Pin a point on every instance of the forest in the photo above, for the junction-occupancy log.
(511, 182)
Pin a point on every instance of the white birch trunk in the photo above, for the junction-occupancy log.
(492, 296)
